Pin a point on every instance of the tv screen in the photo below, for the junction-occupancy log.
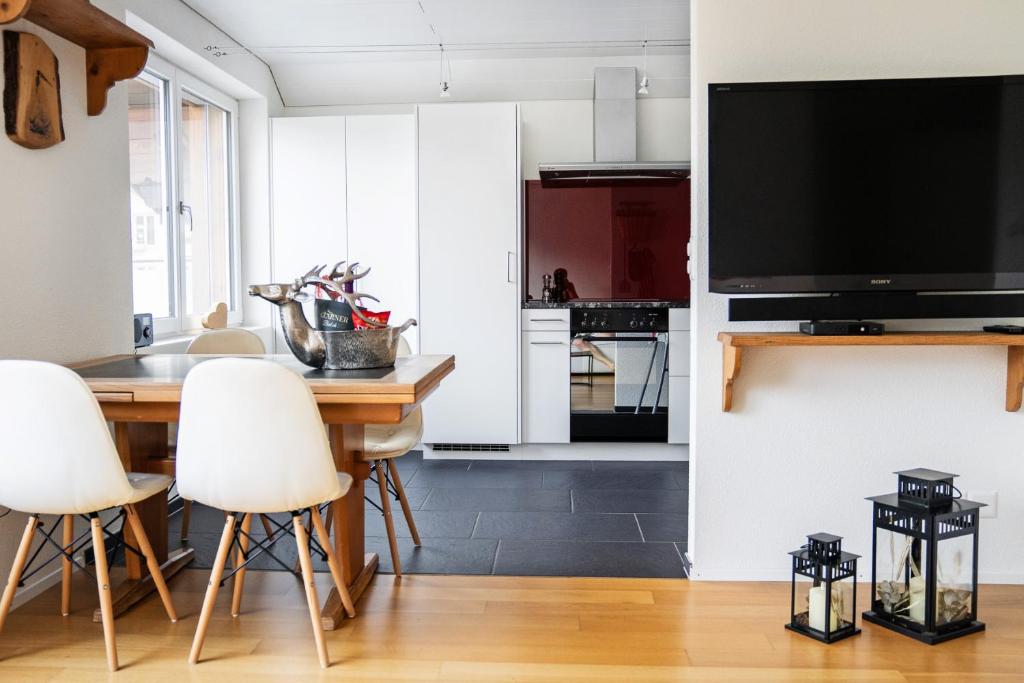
(845, 186)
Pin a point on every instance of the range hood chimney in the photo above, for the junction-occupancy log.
(614, 141)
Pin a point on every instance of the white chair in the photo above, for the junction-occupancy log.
(227, 342)
(251, 441)
(57, 458)
(232, 341)
(382, 444)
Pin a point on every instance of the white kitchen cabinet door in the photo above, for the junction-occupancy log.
(545, 387)
(468, 177)
(381, 174)
(308, 199)
(678, 410)
(679, 353)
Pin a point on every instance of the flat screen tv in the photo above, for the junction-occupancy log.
(879, 185)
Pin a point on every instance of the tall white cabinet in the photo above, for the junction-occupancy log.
(344, 188)
(469, 215)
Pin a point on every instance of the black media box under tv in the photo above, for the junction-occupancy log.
(841, 328)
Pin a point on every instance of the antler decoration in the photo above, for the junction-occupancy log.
(336, 281)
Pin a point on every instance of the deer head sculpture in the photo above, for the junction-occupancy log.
(304, 341)
(307, 343)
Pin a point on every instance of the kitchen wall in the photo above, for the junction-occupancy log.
(814, 431)
(563, 130)
(66, 250)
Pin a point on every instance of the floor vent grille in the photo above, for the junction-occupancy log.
(472, 447)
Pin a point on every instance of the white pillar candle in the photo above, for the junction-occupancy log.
(817, 603)
(916, 608)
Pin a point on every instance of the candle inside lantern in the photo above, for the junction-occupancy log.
(916, 607)
(817, 602)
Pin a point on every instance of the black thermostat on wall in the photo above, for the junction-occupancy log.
(143, 329)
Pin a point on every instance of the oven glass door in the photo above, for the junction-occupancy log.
(619, 387)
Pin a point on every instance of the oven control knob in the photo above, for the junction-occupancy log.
(632, 323)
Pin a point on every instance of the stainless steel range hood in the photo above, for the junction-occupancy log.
(614, 141)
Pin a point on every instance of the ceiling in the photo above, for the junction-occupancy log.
(343, 52)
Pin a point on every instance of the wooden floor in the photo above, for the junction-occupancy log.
(488, 628)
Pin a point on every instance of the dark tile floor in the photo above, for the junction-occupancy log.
(522, 518)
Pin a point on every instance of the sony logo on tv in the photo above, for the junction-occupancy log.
(881, 281)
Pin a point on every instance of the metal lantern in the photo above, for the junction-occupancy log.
(824, 590)
(925, 552)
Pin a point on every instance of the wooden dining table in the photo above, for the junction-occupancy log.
(141, 395)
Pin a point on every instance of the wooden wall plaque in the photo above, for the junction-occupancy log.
(33, 116)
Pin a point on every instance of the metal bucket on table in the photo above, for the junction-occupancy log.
(363, 349)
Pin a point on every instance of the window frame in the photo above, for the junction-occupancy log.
(179, 83)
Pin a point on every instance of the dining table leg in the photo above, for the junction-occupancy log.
(349, 522)
(141, 445)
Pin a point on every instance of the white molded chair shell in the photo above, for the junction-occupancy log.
(382, 442)
(229, 341)
(251, 439)
(56, 453)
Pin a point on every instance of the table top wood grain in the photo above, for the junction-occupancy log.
(159, 378)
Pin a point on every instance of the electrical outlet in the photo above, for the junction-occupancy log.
(991, 500)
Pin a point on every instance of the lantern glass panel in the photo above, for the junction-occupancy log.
(899, 575)
(809, 608)
(955, 583)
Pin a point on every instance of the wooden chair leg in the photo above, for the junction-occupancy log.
(332, 561)
(267, 528)
(211, 591)
(406, 509)
(151, 562)
(20, 558)
(66, 566)
(186, 518)
(302, 541)
(389, 522)
(243, 547)
(103, 584)
(297, 568)
(330, 516)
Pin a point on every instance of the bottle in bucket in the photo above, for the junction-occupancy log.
(333, 314)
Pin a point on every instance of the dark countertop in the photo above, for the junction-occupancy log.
(607, 304)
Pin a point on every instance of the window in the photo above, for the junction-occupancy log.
(183, 159)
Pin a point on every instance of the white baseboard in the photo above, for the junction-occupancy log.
(698, 573)
(639, 452)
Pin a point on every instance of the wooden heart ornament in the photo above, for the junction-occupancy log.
(217, 319)
(32, 109)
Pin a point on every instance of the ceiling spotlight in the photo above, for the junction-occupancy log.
(441, 78)
(644, 82)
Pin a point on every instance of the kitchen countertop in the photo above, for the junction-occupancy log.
(607, 304)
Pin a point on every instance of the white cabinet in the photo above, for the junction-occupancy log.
(381, 161)
(679, 410)
(469, 197)
(307, 199)
(344, 188)
(679, 376)
(541, 319)
(546, 387)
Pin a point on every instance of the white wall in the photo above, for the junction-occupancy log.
(65, 252)
(814, 431)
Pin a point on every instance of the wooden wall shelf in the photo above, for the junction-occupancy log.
(733, 344)
(113, 52)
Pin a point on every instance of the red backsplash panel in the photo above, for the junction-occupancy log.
(617, 243)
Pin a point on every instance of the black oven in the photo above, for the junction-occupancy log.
(619, 374)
